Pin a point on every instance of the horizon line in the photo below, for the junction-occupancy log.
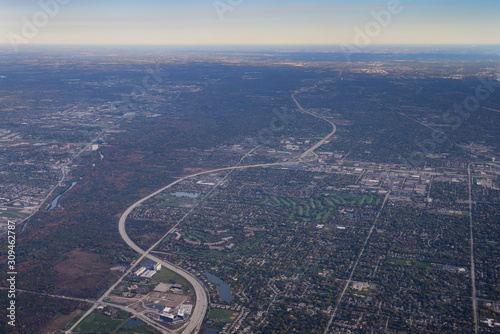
(360, 47)
(491, 49)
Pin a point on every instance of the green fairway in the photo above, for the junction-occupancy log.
(320, 209)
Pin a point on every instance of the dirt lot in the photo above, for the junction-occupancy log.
(82, 273)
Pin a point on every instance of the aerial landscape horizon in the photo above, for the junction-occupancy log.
(232, 166)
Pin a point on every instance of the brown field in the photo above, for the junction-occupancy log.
(81, 271)
(58, 323)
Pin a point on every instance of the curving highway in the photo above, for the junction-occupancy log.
(322, 141)
(201, 305)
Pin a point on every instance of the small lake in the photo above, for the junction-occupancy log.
(223, 288)
(211, 331)
(55, 201)
(133, 323)
(184, 194)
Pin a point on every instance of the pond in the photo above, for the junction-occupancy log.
(133, 323)
(184, 194)
(223, 288)
(54, 203)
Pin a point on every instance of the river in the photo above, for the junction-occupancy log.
(55, 201)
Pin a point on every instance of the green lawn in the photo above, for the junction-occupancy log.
(13, 213)
(403, 262)
(318, 208)
(172, 201)
(422, 265)
(221, 314)
(248, 246)
(168, 276)
(142, 329)
(98, 322)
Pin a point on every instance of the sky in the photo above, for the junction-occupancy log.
(249, 22)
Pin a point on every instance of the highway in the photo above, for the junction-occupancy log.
(322, 141)
(201, 305)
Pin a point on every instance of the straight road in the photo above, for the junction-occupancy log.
(349, 280)
(472, 260)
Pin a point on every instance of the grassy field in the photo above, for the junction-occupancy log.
(196, 235)
(169, 276)
(79, 314)
(321, 209)
(98, 323)
(80, 271)
(141, 329)
(13, 213)
(414, 263)
(222, 314)
(171, 201)
(248, 246)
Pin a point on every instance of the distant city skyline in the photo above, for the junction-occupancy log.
(247, 22)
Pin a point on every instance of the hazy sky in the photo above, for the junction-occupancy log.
(249, 22)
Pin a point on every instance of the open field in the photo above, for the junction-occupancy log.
(14, 213)
(58, 323)
(80, 271)
(141, 329)
(222, 314)
(323, 208)
(98, 322)
(414, 263)
(168, 276)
